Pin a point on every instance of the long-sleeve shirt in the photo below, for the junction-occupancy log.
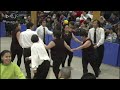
(11, 71)
(38, 54)
(100, 36)
(25, 38)
(40, 31)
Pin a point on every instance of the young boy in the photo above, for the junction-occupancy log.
(40, 60)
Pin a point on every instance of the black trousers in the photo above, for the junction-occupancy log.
(18, 52)
(100, 54)
(85, 61)
(47, 52)
(27, 53)
(70, 54)
(57, 61)
(42, 70)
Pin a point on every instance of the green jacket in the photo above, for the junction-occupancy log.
(11, 71)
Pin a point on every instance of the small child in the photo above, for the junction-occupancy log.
(8, 69)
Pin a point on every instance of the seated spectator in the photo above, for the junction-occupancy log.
(65, 73)
(9, 70)
(108, 25)
(77, 25)
(84, 26)
(107, 14)
(77, 19)
(90, 14)
(84, 15)
(49, 22)
(102, 21)
(113, 19)
(111, 36)
(118, 33)
(89, 23)
(88, 76)
(1, 16)
(56, 25)
(78, 13)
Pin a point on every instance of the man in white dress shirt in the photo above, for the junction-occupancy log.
(97, 35)
(40, 61)
(43, 30)
(26, 43)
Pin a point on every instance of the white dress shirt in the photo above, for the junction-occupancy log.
(100, 36)
(25, 38)
(40, 31)
(38, 54)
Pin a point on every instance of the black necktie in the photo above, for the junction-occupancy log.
(95, 36)
(44, 35)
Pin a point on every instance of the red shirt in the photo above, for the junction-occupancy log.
(78, 13)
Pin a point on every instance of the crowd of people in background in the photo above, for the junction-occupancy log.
(110, 21)
(63, 26)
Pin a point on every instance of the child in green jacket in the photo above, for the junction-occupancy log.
(8, 69)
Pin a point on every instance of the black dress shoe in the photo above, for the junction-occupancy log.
(96, 75)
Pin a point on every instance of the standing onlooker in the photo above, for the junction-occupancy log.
(26, 43)
(97, 35)
(15, 48)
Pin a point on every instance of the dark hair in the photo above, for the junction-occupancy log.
(89, 18)
(98, 22)
(83, 32)
(72, 23)
(57, 33)
(29, 25)
(3, 53)
(88, 76)
(43, 20)
(34, 38)
(15, 25)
